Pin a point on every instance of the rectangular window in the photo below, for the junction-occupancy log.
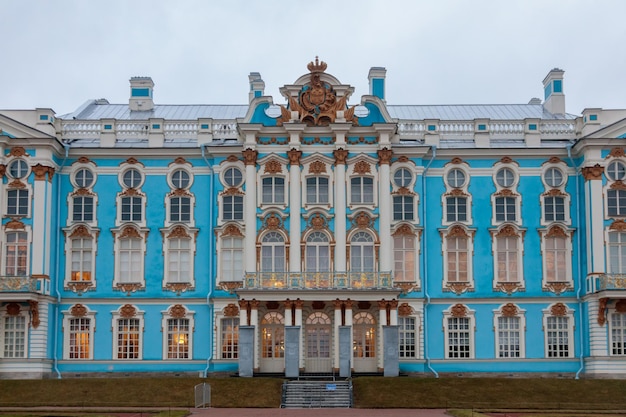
(130, 260)
(403, 208)
(404, 265)
(232, 259)
(17, 203)
(233, 207)
(16, 261)
(230, 338)
(459, 337)
(273, 190)
(82, 209)
(618, 334)
(554, 209)
(14, 337)
(456, 209)
(81, 259)
(180, 209)
(128, 331)
(80, 338)
(557, 334)
(179, 260)
(506, 259)
(457, 259)
(505, 209)
(317, 190)
(132, 209)
(617, 252)
(362, 190)
(178, 338)
(556, 259)
(616, 202)
(509, 337)
(408, 337)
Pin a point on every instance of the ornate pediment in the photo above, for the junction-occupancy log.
(317, 103)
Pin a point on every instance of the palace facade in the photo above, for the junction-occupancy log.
(321, 233)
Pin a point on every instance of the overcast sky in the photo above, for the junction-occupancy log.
(59, 54)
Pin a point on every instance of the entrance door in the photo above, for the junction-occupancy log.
(318, 336)
(272, 342)
(364, 342)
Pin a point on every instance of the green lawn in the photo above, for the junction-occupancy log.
(369, 392)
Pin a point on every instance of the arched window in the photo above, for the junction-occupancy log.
(362, 252)
(273, 253)
(317, 253)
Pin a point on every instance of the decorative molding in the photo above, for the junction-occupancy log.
(17, 152)
(15, 224)
(341, 156)
(403, 230)
(458, 310)
(179, 232)
(405, 287)
(554, 192)
(509, 310)
(508, 287)
(129, 288)
(178, 287)
(362, 168)
(273, 167)
(13, 309)
(232, 230)
(593, 172)
(318, 222)
(16, 183)
(403, 159)
(250, 156)
(559, 310)
(78, 310)
(384, 156)
(602, 302)
(177, 311)
(180, 160)
(507, 231)
(404, 310)
(556, 231)
(230, 286)
(317, 167)
(83, 160)
(129, 232)
(363, 220)
(616, 152)
(294, 156)
(79, 287)
(128, 311)
(506, 160)
(618, 225)
(458, 287)
(554, 160)
(231, 310)
(132, 160)
(456, 160)
(558, 287)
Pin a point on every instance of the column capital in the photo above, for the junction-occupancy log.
(593, 172)
(341, 155)
(384, 156)
(255, 304)
(40, 172)
(249, 156)
(294, 156)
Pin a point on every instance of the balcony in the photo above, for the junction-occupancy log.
(25, 284)
(318, 280)
(606, 282)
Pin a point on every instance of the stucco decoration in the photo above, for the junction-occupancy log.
(341, 155)
(231, 310)
(509, 310)
(458, 310)
(78, 310)
(616, 153)
(128, 311)
(294, 156)
(13, 309)
(559, 310)
(362, 168)
(230, 286)
(273, 167)
(250, 156)
(602, 302)
(17, 152)
(384, 156)
(177, 311)
(620, 306)
(404, 310)
(593, 172)
(317, 167)
(317, 103)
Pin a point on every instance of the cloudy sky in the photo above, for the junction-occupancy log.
(61, 53)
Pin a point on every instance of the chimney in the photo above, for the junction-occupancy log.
(141, 94)
(257, 86)
(554, 99)
(376, 78)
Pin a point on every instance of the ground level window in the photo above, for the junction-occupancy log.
(458, 337)
(408, 337)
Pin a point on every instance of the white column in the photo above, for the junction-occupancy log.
(298, 322)
(41, 214)
(382, 321)
(288, 315)
(250, 204)
(384, 204)
(243, 312)
(595, 221)
(254, 321)
(394, 312)
(337, 323)
(295, 194)
(340, 210)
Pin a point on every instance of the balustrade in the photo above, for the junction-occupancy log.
(318, 280)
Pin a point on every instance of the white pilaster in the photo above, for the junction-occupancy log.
(384, 204)
(254, 321)
(295, 260)
(340, 211)
(250, 214)
(41, 223)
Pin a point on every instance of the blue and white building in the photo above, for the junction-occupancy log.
(139, 237)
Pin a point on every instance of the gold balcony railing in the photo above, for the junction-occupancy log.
(611, 282)
(26, 284)
(317, 280)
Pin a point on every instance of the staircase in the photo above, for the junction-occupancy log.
(317, 394)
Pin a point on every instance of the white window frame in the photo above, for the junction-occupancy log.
(221, 318)
(403, 214)
(402, 330)
(132, 193)
(569, 315)
(362, 190)
(117, 316)
(5, 252)
(314, 246)
(503, 312)
(507, 233)
(177, 312)
(363, 244)
(454, 232)
(470, 316)
(84, 233)
(17, 211)
(317, 193)
(399, 257)
(84, 192)
(275, 257)
(23, 315)
(130, 232)
(620, 247)
(456, 192)
(67, 333)
(237, 261)
(503, 191)
(554, 232)
(178, 233)
(617, 333)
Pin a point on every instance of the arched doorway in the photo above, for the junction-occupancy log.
(318, 331)
(272, 342)
(364, 342)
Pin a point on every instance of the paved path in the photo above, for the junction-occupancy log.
(316, 412)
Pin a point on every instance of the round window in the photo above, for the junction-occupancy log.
(505, 177)
(233, 177)
(132, 178)
(554, 177)
(180, 178)
(18, 169)
(402, 177)
(456, 178)
(83, 178)
(616, 171)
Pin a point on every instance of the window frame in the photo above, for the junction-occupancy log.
(400, 258)
(23, 315)
(20, 204)
(317, 191)
(178, 234)
(358, 192)
(21, 264)
(617, 348)
(228, 346)
(235, 235)
(455, 312)
(130, 233)
(502, 257)
(271, 189)
(408, 351)
(563, 313)
(362, 256)
(178, 313)
(118, 316)
(509, 311)
(458, 232)
(68, 316)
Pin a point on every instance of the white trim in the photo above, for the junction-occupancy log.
(470, 315)
(165, 316)
(67, 317)
(116, 315)
(521, 316)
